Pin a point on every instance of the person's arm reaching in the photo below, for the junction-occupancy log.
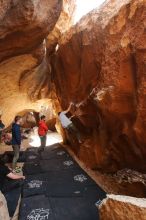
(15, 176)
(76, 115)
(69, 108)
(72, 116)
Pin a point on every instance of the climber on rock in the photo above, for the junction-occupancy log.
(42, 132)
(67, 123)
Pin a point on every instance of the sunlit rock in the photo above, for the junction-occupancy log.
(24, 71)
(122, 208)
(100, 67)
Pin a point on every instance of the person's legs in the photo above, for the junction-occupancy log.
(72, 128)
(16, 149)
(43, 142)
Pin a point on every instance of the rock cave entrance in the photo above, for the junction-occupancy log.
(49, 59)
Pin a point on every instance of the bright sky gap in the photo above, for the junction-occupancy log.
(85, 6)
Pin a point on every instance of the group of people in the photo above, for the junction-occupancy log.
(12, 173)
(66, 123)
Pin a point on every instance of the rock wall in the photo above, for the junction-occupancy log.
(24, 71)
(25, 24)
(100, 67)
(122, 208)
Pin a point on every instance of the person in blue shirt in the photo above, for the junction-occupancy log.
(16, 141)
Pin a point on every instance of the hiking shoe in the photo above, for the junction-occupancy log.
(40, 149)
(17, 170)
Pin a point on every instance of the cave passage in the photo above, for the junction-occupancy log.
(90, 56)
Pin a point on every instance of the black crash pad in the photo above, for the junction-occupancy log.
(32, 156)
(54, 147)
(63, 190)
(94, 193)
(58, 154)
(63, 183)
(73, 208)
(32, 149)
(35, 185)
(10, 154)
(67, 192)
(12, 198)
(31, 168)
(57, 164)
(36, 207)
(74, 176)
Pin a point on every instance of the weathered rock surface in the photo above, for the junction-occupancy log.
(122, 208)
(100, 66)
(24, 72)
(4, 214)
(25, 23)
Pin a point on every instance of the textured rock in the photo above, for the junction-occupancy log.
(24, 71)
(25, 23)
(122, 208)
(12, 101)
(63, 24)
(100, 66)
(4, 214)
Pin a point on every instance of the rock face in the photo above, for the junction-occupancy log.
(122, 208)
(100, 67)
(25, 23)
(24, 71)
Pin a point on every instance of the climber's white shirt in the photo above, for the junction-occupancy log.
(65, 121)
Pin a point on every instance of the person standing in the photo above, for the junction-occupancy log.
(42, 132)
(16, 142)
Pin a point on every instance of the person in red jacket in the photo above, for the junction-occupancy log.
(42, 132)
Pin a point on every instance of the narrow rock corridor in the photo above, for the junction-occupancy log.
(87, 60)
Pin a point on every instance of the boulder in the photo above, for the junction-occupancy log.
(100, 67)
(24, 72)
(116, 207)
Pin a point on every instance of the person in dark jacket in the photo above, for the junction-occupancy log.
(2, 126)
(16, 141)
(42, 132)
